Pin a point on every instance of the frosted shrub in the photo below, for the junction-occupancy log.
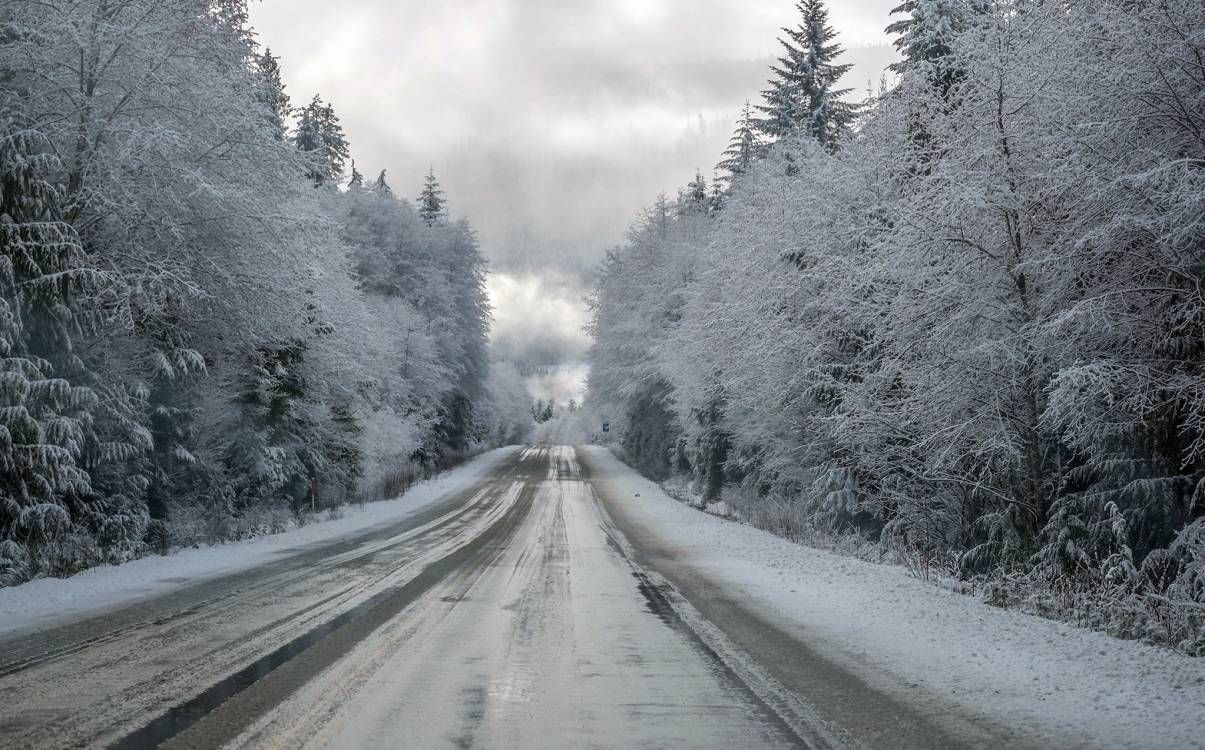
(197, 526)
(15, 566)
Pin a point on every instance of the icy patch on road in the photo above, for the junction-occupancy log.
(46, 600)
(931, 646)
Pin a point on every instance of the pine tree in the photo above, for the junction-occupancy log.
(711, 447)
(266, 453)
(431, 205)
(381, 186)
(801, 98)
(173, 469)
(320, 136)
(695, 199)
(926, 30)
(356, 180)
(718, 195)
(272, 92)
(45, 414)
(742, 149)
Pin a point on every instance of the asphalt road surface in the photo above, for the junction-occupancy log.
(527, 611)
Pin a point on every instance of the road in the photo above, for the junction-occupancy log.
(526, 611)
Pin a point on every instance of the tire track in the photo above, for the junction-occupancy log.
(221, 712)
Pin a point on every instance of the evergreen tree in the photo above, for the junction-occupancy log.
(356, 180)
(801, 98)
(163, 375)
(381, 186)
(47, 414)
(718, 197)
(272, 92)
(431, 204)
(782, 99)
(695, 198)
(742, 149)
(267, 456)
(320, 136)
(173, 469)
(711, 448)
(926, 29)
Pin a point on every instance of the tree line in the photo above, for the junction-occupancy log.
(206, 325)
(963, 319)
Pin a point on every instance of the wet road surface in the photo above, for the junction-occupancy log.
(514, 614)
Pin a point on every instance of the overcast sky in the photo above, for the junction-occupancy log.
(550, 123)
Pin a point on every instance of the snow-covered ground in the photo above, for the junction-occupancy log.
(1060, 685)
(47, 600)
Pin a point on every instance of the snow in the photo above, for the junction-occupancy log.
(927, 644)
(47, 600)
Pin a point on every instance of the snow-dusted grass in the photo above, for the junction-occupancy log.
(46, 600)
(928, 644)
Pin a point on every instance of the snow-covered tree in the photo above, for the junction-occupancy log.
(1128, 401)
(381, 186)
(356, 180)
(926, 29)
(509, 409)
(272, 92)
(802, 98)
(742, 148)
(52, 423)
(695, 197)
(973, 331)
(431, 201)
(212, 332)
(319, 136)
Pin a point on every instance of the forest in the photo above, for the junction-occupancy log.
(960, 322)
(211, 323)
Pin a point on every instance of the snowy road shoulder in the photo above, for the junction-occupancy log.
(930, 647)
(51, 600)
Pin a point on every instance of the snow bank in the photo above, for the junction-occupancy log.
(922, 643)
(46, 600)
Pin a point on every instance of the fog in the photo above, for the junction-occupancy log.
(549, 123)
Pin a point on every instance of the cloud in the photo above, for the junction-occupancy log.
(539, 324)
(539, 320)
